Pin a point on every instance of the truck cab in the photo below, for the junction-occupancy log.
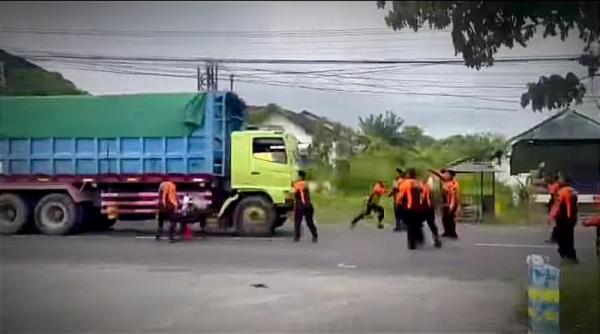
(264, 164)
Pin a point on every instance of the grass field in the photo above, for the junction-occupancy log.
(580, 299)
(331, 208)
(336, 208)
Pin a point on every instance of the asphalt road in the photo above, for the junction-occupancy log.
(352, 281)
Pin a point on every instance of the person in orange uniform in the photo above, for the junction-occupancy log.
(429, 214)
(167, 209)
(564, 213)
(373, 205)
(410, 195)
(451, 201)
(553, 187)
(303, 208)
(394, 194)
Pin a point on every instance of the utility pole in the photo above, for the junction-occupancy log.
(2, 76)
(231, 82)
(216, 76)
(199, 78)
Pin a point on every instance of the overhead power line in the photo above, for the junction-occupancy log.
(205, 33)
(379, 89)
(49, 55)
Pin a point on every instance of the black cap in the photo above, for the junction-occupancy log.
(411, 172)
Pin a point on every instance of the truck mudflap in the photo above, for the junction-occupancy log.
(142, 204)
(227, 203)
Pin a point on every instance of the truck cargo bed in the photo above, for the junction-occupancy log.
(204, 151)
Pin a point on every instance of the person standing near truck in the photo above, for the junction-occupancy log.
(167, 209)
(303, 208)
(373, 205)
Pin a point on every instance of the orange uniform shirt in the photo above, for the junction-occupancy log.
(301, 193)
(451, 191)
(553, 188)
(409, 194)
(565, 205)
(426, 196)
(378, 191)
(167, 196)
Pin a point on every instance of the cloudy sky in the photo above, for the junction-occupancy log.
(422, 95)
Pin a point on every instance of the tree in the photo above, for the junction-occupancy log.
(481, 147)
(413, 136)
(322, 144)
(480, 28)
(24, 78)
(384, 126)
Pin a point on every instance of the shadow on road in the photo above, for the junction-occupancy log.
(148, 229)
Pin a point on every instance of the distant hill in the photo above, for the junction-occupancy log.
(24, 78)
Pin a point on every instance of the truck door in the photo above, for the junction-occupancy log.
(270, 162)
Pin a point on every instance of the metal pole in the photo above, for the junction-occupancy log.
(231, 82)
(2, 77)
(216, 76)
(494, 191)
(481, 195)
(207, 76)
(198, 75)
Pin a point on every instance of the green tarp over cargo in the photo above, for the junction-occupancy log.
(138, 115)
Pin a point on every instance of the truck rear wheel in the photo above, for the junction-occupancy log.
(103, 223)
(254, 216)
(14, 213)
(95, 220)
(56, 214)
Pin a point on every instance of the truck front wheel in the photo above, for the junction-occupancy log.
(254, 216)
(56, 214)
(14, 214)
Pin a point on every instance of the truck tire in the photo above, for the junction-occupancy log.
(14, 213)
(254, 216)
(103, 223)
(56, 214)
(97, 221)
(280, 221)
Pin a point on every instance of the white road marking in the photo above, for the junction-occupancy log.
(516, 245)
(349, 266)
(144, 237)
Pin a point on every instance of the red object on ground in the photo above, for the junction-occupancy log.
(188, 234)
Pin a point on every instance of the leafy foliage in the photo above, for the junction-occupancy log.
(480, 28)
(412, 148)
(554, 92)
(384, 126)
(322, 145)
(25, 79)
(413, 136)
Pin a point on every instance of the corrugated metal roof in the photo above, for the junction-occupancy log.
(568, 124)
